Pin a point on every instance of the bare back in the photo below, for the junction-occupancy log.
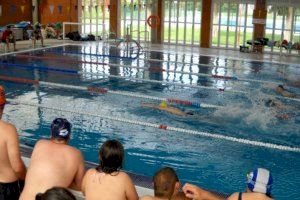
(11, 166)
(52, 164)
(250, 196)
(101, 186)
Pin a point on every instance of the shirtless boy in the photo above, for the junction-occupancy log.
(12, 168)
(54, 163)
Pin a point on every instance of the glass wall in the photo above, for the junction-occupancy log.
(232, 23)
(182, 21)
(134, 14)
(283, 23)
(94, 17)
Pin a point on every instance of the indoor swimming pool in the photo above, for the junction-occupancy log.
(229, 128)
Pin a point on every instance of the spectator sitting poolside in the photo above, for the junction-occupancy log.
(54, 163)
(107, 182)
(12, 168)
(8, 37)
(56, 193)
(259, 185)
(166, 184)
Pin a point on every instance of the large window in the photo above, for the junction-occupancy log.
(134, 14)
(182, 21)
(283, 23)
(232, 23)
(94, 17)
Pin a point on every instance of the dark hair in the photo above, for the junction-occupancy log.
(281, 86)
(164, 182)
(111, 156)
(8, 26)
(270, 103)
(55, 193)
(61, 129)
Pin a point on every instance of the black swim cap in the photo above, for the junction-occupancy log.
(61, 129)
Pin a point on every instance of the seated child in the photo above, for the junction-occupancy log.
(37, 35)
(107, 181)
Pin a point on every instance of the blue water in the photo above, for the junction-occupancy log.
(213, 164)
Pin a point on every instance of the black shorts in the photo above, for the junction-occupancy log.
(10, 41)
(11, 191)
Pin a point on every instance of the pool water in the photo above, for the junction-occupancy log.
(215, 164)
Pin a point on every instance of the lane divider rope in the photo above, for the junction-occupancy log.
(104, 90)
(45, 68)
(156, 69)
(166, 127)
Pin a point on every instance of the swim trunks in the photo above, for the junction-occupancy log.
(2, 97)
(11, 191)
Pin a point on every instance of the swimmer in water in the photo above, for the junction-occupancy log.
(164, 107)
(281, 90)
(279, 105)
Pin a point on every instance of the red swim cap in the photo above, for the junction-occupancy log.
(2, 97)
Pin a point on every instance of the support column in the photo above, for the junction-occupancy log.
(115, 17)
(157, 33)
(206, 23)
(35, 17)
(259, 19)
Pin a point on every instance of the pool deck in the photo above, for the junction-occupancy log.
(213, 52)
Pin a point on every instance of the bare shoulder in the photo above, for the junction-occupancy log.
(7, 127)
(90, 172)
(234, 196)
(124, 176)
(147, 198)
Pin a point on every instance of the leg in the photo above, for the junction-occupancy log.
(7, 44)
(14, 41)
(42, 41)
(33, 42)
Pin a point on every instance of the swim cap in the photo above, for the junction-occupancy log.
(260, 180)
(163, 104)
(2, 96)
(60, 128)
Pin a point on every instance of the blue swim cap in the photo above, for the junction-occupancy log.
(61, 129)
(260, 180)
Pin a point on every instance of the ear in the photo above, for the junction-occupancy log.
(177, 187)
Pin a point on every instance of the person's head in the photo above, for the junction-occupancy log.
(270, 103)
(280, 88)
(60, 129)
(55, 193)
(163, 104)
(179, 196)
(8, 27)
(111, 156)
(260, 180)
(2, 100)
(166, 183)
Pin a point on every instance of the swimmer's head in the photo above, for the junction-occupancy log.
(270, 103)
(60, 129)
(280, 87)
(163, 104)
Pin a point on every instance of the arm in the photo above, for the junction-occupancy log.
(83, 185)
(77, 182)
(14, 153)
(234, 196)
(196, 193)
(130, 190)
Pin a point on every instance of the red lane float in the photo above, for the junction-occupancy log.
(163, 127)
(97, 90)
(19, 80)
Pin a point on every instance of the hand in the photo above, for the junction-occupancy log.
(193, 192)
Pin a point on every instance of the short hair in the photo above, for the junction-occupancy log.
(281, 86)
(111, 157)
(8, 26)
(55, 193)
(179, 196)
(164, 182)
(61, 129)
